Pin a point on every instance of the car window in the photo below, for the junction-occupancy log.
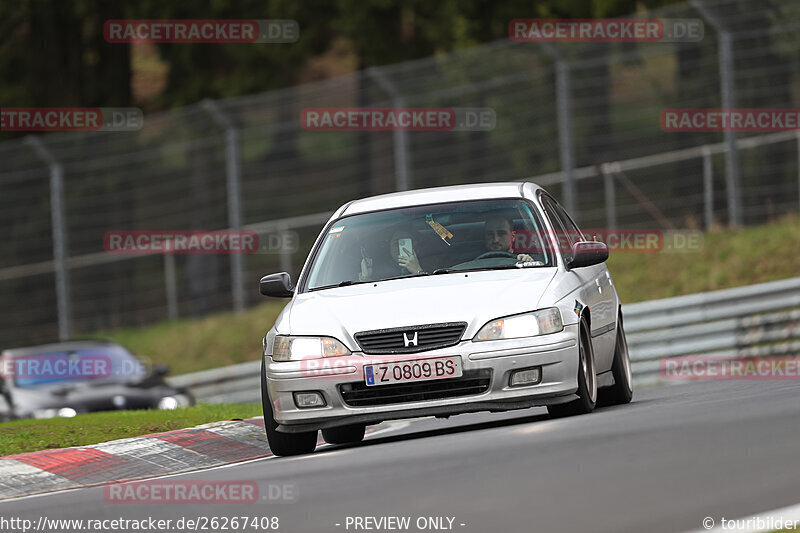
(561, 233)
(420, 240)
(576, 235)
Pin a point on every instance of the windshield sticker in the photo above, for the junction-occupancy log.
(443, 232)
(578, 308)
(337, 229)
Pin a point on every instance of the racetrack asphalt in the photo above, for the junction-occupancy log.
(673, 456)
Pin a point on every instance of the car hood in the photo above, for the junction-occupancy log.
(471, 297)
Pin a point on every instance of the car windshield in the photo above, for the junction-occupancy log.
(430, 239)
(69, 366)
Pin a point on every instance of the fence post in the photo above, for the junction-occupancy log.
(566, 144)
(402, 175)
(59, 225)
(708, 186)
(171, 286)
(233, 177)
(728, 96)
(798, 167)
(610, 195)
(285, 255)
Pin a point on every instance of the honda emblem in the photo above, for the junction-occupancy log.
(410, 341)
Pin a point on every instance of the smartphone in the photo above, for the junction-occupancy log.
(406, 248)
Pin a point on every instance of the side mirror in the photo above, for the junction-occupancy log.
(277, 285)
(160, 370)
(587, 253)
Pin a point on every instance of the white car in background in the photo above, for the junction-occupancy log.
(437, 302)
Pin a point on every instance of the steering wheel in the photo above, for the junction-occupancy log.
(493, 254)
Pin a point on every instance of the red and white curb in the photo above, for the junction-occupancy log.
(148, 456)
(158, 454)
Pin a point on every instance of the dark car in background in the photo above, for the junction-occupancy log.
(69, 378)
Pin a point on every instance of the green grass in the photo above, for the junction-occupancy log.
(729, 258)
(188, 345)
(22, 436)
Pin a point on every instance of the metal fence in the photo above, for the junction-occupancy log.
(581, 119)
(753, 321)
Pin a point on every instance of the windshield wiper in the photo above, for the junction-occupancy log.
(497, 267)
(344, 283)
(443, 271)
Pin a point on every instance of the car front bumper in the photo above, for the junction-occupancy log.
(556, 354)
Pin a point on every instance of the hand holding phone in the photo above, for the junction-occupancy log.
(406, 247)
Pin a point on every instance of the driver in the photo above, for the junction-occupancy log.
(498, 237)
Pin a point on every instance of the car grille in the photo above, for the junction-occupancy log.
(470, 383)
(429, 337)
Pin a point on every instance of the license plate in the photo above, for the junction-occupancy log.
(418, 370)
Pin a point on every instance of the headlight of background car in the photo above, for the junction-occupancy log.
(288, 348)
(64, 412)
(532, 324)
(173, 402)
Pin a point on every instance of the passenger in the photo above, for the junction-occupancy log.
(404, 261)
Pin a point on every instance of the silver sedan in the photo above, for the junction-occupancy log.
(437, 302)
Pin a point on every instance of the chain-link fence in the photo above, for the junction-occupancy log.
(585, 114)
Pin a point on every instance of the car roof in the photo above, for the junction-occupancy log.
(57, 347)
(453, 193)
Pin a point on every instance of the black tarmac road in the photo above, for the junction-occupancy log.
(674, 456)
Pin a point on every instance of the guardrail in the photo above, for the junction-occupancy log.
(756, 320)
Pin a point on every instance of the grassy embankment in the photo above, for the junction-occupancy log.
(30, 435)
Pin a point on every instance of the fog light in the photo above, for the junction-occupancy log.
(305, 400)
(529, 376)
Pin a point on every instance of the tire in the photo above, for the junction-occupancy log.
(344, 434)
(621, 392)
(283, 444)
(587, 382)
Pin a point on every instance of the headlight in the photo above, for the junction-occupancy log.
(532, 324)
(169, 403)
(288, 348)
(64, 412)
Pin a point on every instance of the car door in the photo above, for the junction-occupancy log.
(595, 290)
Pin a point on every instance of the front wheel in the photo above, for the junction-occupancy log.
(587, 382)
(621, 392)
(283, 444)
